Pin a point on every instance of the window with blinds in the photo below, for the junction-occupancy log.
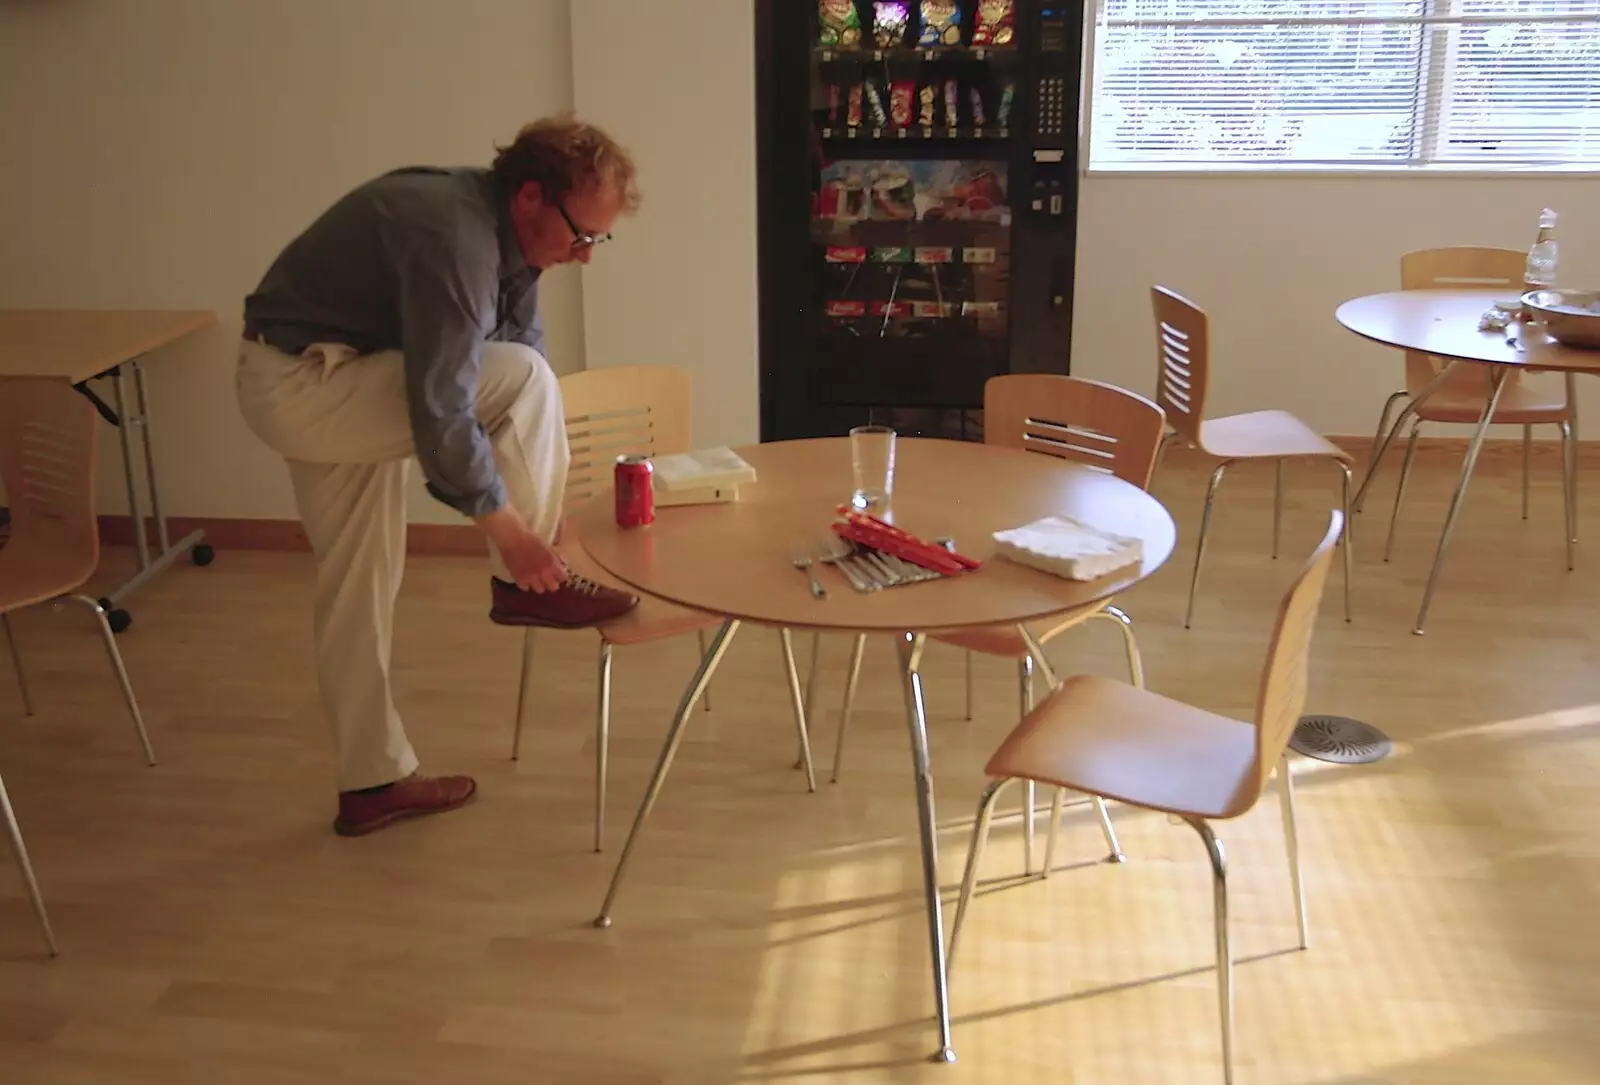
(1293, 84)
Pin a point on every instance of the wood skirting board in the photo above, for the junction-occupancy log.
(463, 540)
(237, 533)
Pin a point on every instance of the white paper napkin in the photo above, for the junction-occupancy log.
(1068, 548)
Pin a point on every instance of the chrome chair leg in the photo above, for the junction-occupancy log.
(1347, 535)
(1161, 450)
(700, 642)
(1572, 452)
(1200, 549)
(1029, 789)
(1291, 840)
(1400, 489)
(856, 652)
(1135, 674)
(968, 654)
(1057, 801)
(602, 745)
(1377, 441)
(980, 838)
(1048, 673)
(1569, 493)
(20, 850)
(22, 676)
(1277, 506)
(910, 649)
(110, 640)
(809, 698)
(797, 698)
(1527, 465)
(811, 672)
(1497, 380)
(669, 750)
(1219, 879)
(522, 691)
(1129, 641)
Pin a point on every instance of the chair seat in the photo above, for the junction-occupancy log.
(1004, 640)
(38, 567)
(653, 619)
(1519, 406)
(1112, 739)
(1269, 435)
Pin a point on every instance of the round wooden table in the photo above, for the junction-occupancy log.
(1444, 323)
(735, 560)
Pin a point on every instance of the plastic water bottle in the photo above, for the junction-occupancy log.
(1541, 270)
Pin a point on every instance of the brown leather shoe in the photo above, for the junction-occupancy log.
(575, 605)
(362, 812)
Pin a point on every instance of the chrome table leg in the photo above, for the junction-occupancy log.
(1399, 423)
(669, 750)
(1497, 379)
(911, 646)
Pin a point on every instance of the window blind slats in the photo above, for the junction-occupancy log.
(1226, 83)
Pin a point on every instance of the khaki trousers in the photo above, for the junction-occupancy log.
(341, 422)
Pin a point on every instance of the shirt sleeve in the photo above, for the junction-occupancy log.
(446, 311)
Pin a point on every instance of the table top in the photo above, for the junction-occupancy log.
(77, 344)
(1444, 323)
(734, 559)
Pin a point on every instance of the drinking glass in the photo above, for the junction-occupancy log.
(872, 458)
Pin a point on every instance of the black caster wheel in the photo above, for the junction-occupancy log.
(202, 554)
(118, 620)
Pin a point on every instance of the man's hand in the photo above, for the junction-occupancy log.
(533, 563)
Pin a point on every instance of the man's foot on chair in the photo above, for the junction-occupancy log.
(373, 808)
(575, 605)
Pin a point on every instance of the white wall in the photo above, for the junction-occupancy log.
(159, 153)
(678, 284)
(1271, 258)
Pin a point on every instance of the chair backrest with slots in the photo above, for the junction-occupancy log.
(1085, 421)
(1464, 268)
(639, 409)
(1284, 677)
(47, 445)
(1183, 361)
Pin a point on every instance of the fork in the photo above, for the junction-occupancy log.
(834, 551)
(804, 560)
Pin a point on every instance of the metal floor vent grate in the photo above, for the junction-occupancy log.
(1339, 739)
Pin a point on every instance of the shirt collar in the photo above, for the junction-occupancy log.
(513, 264)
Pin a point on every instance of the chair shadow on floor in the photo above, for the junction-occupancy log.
(914, 1031)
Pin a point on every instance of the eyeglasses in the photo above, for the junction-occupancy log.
(580, 239)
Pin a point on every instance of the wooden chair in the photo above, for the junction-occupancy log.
(609, 413)
(1087, 422)
(1462, 397)
(1183, 375)
(47, 447)
(1124, 743)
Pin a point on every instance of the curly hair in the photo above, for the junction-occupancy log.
(562, 155)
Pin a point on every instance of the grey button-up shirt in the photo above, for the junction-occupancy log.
(425, 261)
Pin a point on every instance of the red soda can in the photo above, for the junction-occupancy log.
(636, 495)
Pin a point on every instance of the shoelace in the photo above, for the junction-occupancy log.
(583, 585)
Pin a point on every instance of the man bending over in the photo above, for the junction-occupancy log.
(404, 322)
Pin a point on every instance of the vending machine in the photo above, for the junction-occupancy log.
(917, 164)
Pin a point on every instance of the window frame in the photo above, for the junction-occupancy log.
(1429, 126)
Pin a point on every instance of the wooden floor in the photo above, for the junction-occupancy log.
(214, 930)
